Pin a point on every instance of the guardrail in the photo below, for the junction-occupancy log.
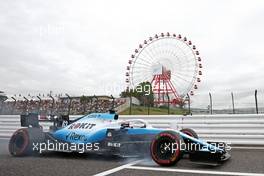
(245, 129)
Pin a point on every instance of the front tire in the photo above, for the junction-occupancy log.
(21, 142)
(190, 132)
(166, 148)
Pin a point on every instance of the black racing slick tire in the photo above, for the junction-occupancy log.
(190, 132)
(21, 142)
(166, 148)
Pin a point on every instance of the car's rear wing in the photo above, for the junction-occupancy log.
(33, 119)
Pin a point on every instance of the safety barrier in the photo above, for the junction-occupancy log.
(244, 129)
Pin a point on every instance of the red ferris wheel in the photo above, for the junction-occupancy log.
(170, 62)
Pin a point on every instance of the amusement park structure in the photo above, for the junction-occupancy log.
(172, 65)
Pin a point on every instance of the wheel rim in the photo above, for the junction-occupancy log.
(18, 143)
(163, 148)
(163, 156)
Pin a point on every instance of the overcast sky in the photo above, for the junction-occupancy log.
(83, 47)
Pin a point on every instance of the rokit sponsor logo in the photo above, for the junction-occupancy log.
(81, 126)
(76, 137)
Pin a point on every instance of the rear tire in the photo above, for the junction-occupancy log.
(21, 142)
(164, 155)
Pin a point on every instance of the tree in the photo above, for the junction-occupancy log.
(143, 92)
(182, 103)
(3, 97)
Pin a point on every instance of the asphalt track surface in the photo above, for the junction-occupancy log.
(244, 161)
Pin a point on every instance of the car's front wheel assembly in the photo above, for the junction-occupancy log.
(190, 132)
(166, 148)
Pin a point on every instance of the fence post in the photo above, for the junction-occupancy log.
(168, 103)
(256, 100)
(113, 102)
(1, 106)
(211, 103)
(189, 104)
(233, 104)
(69, 107)
(130, 104)
(53, 103)
(39, 104)
(14, 105)
(148, 106)
(26, 105)
(148, 103)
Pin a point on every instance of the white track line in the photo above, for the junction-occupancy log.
(117, 168)
(4, 138)
(193, 171)
(249, 148)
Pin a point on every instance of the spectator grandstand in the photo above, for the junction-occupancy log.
(60, 105)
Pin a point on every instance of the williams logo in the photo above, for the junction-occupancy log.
(76, 137)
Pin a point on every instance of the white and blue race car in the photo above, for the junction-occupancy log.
(104, 133)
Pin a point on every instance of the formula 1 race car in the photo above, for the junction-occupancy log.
(103, 133)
